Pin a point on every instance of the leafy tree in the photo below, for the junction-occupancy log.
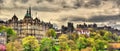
(91, 42)
(94, 48)
(63, 41)
(14, 46)
(72, 45)
(115, 37)
(11, 34)
(30, 43)
(98, 36)
(101, 44)
(93, 34)
(73, 36)
(82, 43)
(51, 33)
(2, 28)
(46, 44)
(108, 36)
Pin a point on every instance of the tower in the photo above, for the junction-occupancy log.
(28, 17)
(28, 13)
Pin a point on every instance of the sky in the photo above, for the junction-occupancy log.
(62, 11)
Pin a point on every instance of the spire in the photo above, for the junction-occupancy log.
(27, 13)
(30, 11)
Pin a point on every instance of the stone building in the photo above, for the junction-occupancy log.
(3, 38)
(67, 29)
(28, 26)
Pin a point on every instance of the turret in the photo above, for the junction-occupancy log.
(28, 17)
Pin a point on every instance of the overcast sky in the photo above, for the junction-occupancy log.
(62, 11)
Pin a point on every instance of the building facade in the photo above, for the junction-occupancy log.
(28, 26)
(3, 38)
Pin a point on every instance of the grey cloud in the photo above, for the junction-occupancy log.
(71, 18)
(39, 1)
(50, 0)
(63, 4)
(100, 18)
(45, 9)
(104, 18)
(24, 1)
(1, 1)
(118, 2)
(93, 4)
(75, 19)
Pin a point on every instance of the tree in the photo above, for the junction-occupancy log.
(51, 33)
(72, 45)
(108, 36)
(101, 44)
(82, 43)
(46, 44)
(2, 28)
(73, 36)
(115, 37)
(91, 42)
(11, 34)
(14, 46)
(30, 43)
(94, 48)
(63, 42)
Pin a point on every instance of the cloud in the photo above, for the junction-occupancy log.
(24, 1)
(61, 11)
(51, 4)
(100, 18)
(104, 18)
(1, 1)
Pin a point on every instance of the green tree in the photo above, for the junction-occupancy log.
(2, 28)
(46, 44)
(51, 33)
(101, 44)
(82, 43)
(108, 36)
(94, 48)
(30, 43)
(91, 42)
(14, 46)
(115, 37)
(72, 45)
(11, 34)
(73, 36)
(63, 41)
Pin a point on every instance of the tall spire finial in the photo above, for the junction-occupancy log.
(27, 11)
(30, 10)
